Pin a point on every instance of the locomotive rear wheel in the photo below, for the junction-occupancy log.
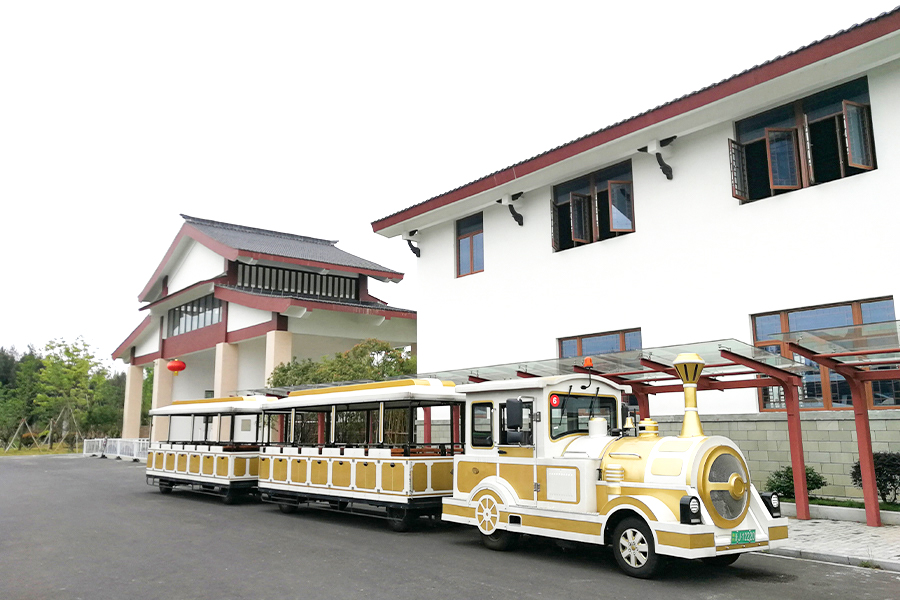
(721, 561)
(500, 540)
(165, 488)
(634, 549)
(230, 497)
(287, 508)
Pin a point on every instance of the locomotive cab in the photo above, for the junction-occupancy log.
(553, 457)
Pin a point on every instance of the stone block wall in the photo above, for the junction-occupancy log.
(829, 442)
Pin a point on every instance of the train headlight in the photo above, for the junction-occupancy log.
(690, 510)
(773, 504)
(724, 486)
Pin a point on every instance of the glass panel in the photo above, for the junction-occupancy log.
(740, 187)
(561, 193)
(766, 325)
(819, 318)
(574, 413)
(482, 425)
(569, 348)
(350, 427)
(600, 344)
(878, 311)
(469, 225)
(464, 267)
(829, 103)
(396, 426)
(754, 128)
(886, 393)
(633, 340)
(306, 428)
(840, 391)
(859, 136)
(582, 222)
(621, 206)
(784, 172)
(478, 252)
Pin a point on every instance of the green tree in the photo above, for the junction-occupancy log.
(146, 395)
(369, 360)
(65, 379)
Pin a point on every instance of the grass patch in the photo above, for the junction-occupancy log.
(40, 451)
(848, 503)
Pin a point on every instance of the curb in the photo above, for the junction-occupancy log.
(854, 561)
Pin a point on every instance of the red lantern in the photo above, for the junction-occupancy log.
(176, 366)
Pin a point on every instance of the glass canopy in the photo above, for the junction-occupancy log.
(852, 344)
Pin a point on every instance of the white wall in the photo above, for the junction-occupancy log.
(148, 341)
(354, 326)
(698, 265)
(197, 377)
(252, 364)
(199, 264)
(240, 317)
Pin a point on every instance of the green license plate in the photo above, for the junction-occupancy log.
(743, 536)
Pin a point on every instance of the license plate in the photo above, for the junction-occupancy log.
(743, 536)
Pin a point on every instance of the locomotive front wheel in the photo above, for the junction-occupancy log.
(487, 515)
(724, 560)
(634, 549)
(500, 540)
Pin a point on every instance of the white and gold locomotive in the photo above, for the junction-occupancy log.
(556, 457)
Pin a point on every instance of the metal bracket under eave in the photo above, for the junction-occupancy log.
(409, 237)
(507, 200)
(655, 147)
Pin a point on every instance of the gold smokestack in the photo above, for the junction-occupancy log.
(689, 367)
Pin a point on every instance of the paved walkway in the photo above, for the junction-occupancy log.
(844, 542)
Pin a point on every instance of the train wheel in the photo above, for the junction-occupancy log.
(400, 519)
(338, 504)
(724, 560)
(500, 540)
(487, 515)
(165, 488)
(288, 508)
(230, 497)
(634, 549)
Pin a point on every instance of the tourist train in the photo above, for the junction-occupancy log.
(556, 457)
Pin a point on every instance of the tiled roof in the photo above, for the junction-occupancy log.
(322, 299)
(251, 239)
(512, 167)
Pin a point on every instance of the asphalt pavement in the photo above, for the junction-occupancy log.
(74, 527)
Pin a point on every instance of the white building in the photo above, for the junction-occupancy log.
(763, 203)
(233, 302)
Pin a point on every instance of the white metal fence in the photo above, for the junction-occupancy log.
(117, 448)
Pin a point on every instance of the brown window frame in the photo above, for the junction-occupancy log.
(471, 237)
(579, 339)
(825, 374)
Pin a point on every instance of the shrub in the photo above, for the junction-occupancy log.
(782, 481)
(887, 475)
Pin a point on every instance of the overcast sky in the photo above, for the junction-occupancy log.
(314, 118)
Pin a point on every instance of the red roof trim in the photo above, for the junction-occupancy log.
(220, 279)
(280, 305)
(392, 275)
(146, 359)
(129, 341)
(253, 331)
(813, 53)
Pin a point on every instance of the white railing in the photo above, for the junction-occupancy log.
(117, 448)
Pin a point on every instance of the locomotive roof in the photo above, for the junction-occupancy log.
(214, 406)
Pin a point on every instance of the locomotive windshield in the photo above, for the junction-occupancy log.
(575, 411)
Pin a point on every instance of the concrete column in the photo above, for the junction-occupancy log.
(279, 349)
(162, 396)
(131, 419)
(226, 373)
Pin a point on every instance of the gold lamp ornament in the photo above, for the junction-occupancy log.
(689, 366)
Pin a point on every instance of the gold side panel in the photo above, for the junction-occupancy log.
(254, 466)
(208, 465)
(442, 477)
(671, 498)
(627, 502)
(365, 475)
(471, 473)
(557, 524)
(542, 480)
(264, 468)
(459, 511)
(160, 460)
(298, 470)
(778, 533)
(676, 445)
(420, 477)
(521, 478)
(359, 386)
(182, 462)
(150, 457)
(222, 466)
(741, 546)
(318, 471)
(340, 473)
(240, 467)
(602, 495)
(518, 451)
(279, 469)
(194, 464)
(666, 466)
(170, 461)
(686, 540)
(392, 477)
(632, 454)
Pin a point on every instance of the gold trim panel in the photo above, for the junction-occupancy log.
(689, 541)
(778, 533)
(741, 546)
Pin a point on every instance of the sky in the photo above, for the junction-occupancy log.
(314, 118)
